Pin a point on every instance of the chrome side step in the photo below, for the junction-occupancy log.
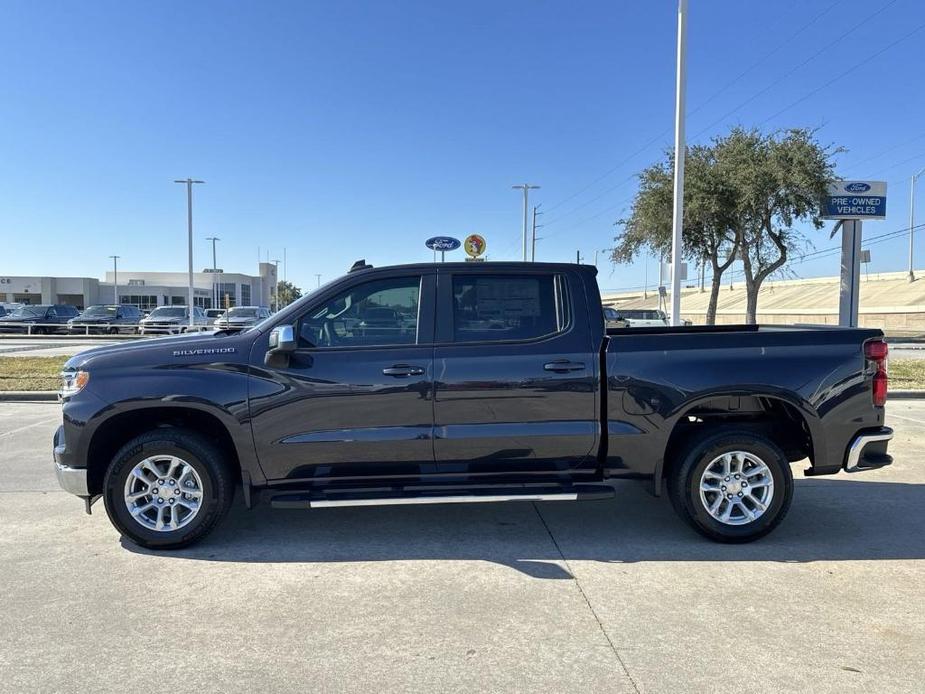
(409, 497)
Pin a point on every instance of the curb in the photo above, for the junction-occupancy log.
(29, 396)
(905, 395)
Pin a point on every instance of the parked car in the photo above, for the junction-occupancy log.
(106, 318)
(508, 387)
(638, 318)
(241, 317)
(173, 320)
(41, 319)
(2, 311)
(213, 313)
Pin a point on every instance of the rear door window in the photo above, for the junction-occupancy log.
(508, 307)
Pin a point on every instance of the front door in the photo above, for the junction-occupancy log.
(355, 399)
(515, 375)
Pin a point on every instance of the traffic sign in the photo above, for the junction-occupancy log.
(442, 243)
(855, 200)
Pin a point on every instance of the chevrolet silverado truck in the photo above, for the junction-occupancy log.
(459, 383)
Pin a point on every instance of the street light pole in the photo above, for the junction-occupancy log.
(189, 219)
(915, 178)
(215, 293)
(318, 278)
(276, 261)
(679, 150)
(115, 278)
(526, 188)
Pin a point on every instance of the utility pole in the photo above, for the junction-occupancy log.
(645, 282)
(679, 151)
(578, 257)
(276, 260)
(189, 218)
(535, 227)
(215, 294)
(115, 279)
(915, 177)
(526, 188)
(318, 278)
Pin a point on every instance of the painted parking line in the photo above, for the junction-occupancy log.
(908, 419)
(27, 426)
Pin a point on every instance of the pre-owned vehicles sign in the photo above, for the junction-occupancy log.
(855, 200)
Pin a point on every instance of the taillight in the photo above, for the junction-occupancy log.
(877, 352)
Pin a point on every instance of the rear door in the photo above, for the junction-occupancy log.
(356, 398)
(515, 373)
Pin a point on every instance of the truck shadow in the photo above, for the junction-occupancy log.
(830, 520)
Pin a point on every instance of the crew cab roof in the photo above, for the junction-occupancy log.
(502, 265)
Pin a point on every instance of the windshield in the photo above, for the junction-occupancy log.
(28, 312)
(96, 311)
(169, 312)
(242, 312)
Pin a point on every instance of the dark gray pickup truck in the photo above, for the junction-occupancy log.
(468, 382)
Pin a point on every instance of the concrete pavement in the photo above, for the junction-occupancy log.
(596, 596)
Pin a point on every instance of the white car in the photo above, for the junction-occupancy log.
(639, 318)
(241, 317)
(173, 320)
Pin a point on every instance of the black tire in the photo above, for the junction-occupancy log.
(684, 485)
(113, 331)
(207, 461)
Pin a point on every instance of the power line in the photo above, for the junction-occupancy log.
(699, 107)
(846, 72)
(781, 45)
(904, 143)
(790, 72)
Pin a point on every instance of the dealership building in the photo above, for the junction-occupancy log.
(146, 290)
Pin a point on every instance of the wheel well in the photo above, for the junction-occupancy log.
(117, 431)
(775, 419)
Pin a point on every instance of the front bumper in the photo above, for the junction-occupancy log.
(867, 451)
(71, 479)
(175, 329)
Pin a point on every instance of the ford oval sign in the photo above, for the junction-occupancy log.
(857, 187)
(442, 243)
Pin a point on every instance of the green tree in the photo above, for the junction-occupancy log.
(745, 196)
(778, 181)
(709, 217)
(288, 293)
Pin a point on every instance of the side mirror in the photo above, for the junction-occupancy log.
(282, 344)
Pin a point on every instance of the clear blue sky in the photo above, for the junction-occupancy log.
(347, 130)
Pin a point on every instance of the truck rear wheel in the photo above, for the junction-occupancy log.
(167, 489)
(732, 486)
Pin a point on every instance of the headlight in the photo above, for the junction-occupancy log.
(73, 382)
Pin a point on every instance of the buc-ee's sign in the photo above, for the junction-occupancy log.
(855, 200)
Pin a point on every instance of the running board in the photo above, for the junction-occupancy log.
(403, 497)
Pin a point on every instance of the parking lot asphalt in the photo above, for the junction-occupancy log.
(615, 596)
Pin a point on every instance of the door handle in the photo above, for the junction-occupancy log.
(403, 370)
(563, 366)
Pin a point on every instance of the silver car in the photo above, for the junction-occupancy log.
(173, 320)
(241, 317)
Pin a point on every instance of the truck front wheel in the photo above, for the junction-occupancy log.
(732, 486)
(167, 488)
